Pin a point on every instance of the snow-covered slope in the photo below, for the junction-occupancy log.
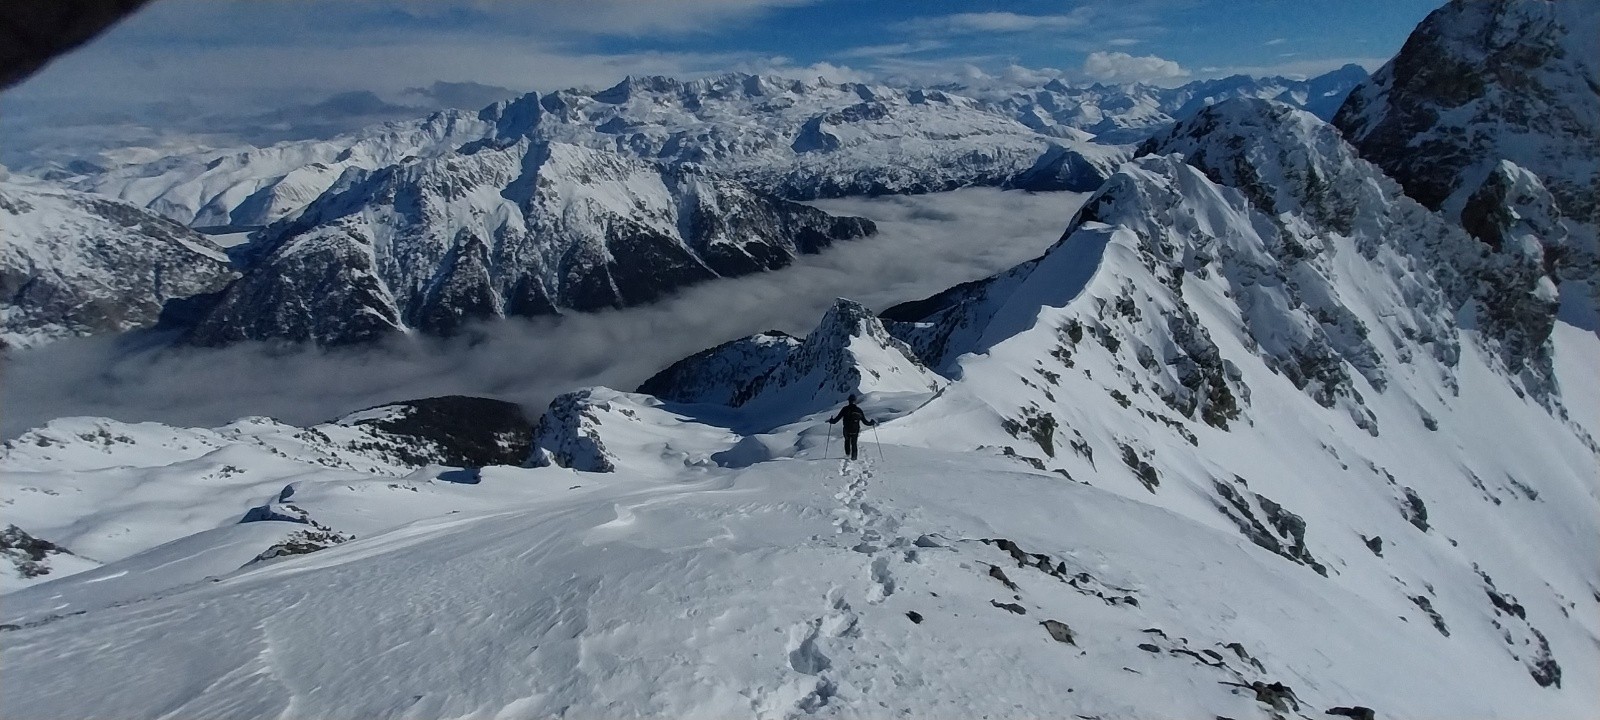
(1297, 198)
(249, 186)
(1239, 445)
(73, 263)
(932, 581)
(105, 490)
(520, 230)
(1479, 84)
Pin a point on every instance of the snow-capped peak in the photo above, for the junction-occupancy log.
(75, 263)
(774, 378)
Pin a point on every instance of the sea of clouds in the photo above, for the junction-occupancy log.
(925, 244)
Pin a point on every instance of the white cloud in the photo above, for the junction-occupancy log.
(996, 22)
(783, 67)
(234, 59)
(1122, 42)
(892, 49)
(1276, 41)
(1120, 67)
(926, 244)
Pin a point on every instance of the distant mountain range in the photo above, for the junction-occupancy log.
(791, 138)
(579, 200)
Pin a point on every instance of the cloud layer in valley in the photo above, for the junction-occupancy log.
(925, 244)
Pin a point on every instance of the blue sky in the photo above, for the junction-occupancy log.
(179, 60)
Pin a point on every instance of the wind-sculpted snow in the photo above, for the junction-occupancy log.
(1481, 83)
(75, 264)
(521, 230)
(105, 490)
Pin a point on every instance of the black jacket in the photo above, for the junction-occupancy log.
(853, 418)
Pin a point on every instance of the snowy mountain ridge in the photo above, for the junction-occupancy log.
(850, 351)
(1285, 480)
(250, 186)
(794, 138)
(521, 230)
(74, 263)
(429, 225)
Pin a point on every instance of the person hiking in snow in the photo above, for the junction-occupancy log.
(853, 416)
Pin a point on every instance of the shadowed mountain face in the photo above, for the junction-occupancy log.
(1483, 84)
(74, 264)
(523, 230)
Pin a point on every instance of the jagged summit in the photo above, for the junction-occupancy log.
(1481, 83)
(74, 264)
(1478, 82)
(1292, 165)
(849, 352)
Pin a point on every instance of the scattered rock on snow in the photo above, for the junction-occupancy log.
(1009, 607)
(1358, 712)
(454, 430)
(1414, 510)
(1427, 606)
(1276, 694)
(31, 555)
(302, 542)
(998, 574)
(1059, 631)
